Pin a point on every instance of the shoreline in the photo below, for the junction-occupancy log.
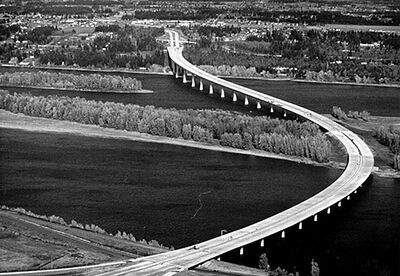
(37, 124)
(97, 70)
(23, 122)
(141, 91)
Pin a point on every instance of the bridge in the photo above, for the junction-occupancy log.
(359, 167)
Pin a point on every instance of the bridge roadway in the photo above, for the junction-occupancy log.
(359, 167)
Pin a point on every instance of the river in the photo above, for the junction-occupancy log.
(153, 190)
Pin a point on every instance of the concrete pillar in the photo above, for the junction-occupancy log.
(339, 204)
(184, 80)
(211, 90)
(258, 105)
(272, 109)
(246, 101)
(241, 251)
(222, 93)
(283, 234)
(300, 225)
(193, 81)
(262, 243)
(315, 218)
(234, 97)
(328, 211)
(177, 73)
(348, 197)
(219, 259)
(284, 114)
(201, 88)
(355, 191)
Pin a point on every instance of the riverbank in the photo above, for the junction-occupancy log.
(91, 70)
(36, 124)
(122, 71)
(141, 91)
(29, 243)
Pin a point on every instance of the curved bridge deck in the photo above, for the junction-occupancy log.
(358, 169)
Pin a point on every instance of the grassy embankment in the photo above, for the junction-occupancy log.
(29, 243)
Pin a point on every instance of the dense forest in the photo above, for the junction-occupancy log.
(390, 137)
(207, 126)
(70, 81)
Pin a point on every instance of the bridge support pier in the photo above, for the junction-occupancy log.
(315, 218)
(258, 105)
(283, 234)
(184, 80)
(328, 211)
(241, 251)
(211, 91)
(234, 99)
(246, 101)
(222, 93)
(193, 81)
(271, 109)
(300, 225)
(284, 114)
(262, 243)
(348, 197)
(339, 204)
(201, 88)
(177, 73)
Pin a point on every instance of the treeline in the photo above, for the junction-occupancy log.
(87, 227)
(337, 112)
(390, 137)
(208, 126)
(226, 70)
(113, 28)
(71, 81)
(218, 31)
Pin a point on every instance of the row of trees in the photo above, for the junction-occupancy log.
(87, 227)
(390, 137)
(337, 112)
(209, 126)
(70, 81)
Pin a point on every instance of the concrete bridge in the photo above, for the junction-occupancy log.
(359, 166)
